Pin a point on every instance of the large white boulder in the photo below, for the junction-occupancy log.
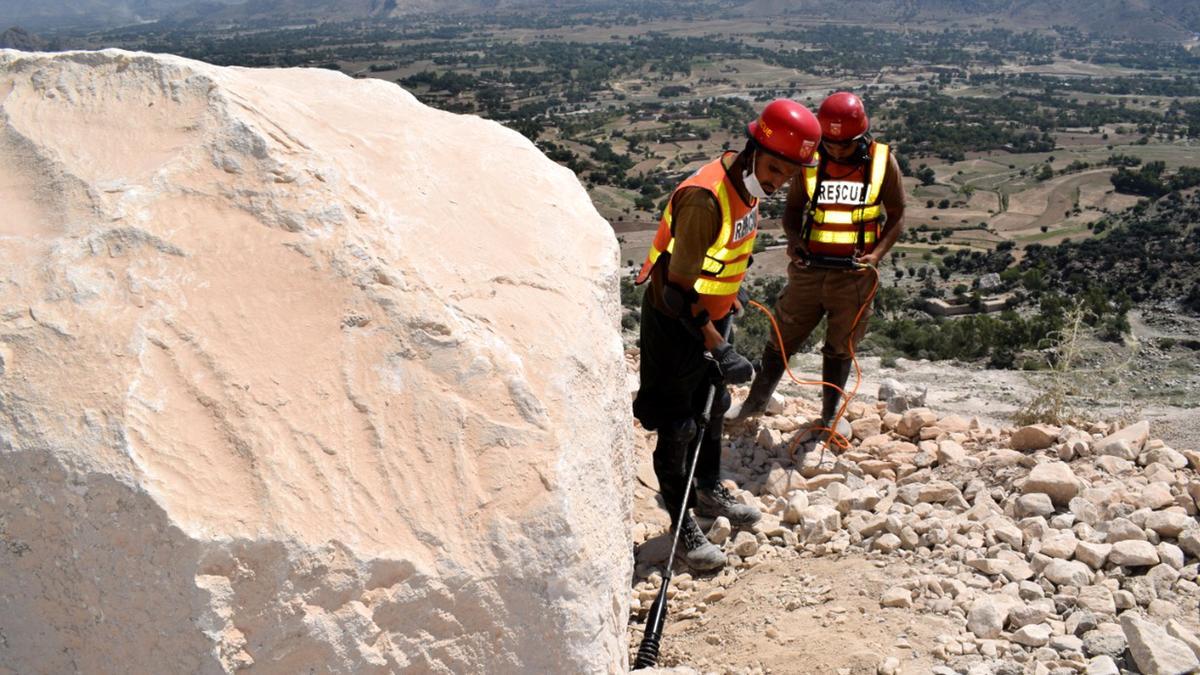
(299, 373)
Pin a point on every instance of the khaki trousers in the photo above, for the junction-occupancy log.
(812, 293)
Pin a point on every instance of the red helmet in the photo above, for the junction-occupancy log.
(787, 130)
(843, 117)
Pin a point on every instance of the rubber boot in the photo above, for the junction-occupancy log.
(834, 371)
(765, 381)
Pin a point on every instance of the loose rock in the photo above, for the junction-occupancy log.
(1154, 650)
(1056, 479)
(1133, 553)
(1034, 437)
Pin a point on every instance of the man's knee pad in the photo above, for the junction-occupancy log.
(721, 403)
(678, 431)
(832, 351)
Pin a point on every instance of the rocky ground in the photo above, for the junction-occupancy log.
(940, 542)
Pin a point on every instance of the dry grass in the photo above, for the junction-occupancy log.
(1070, 382)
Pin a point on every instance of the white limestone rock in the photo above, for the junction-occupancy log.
(898, 397)
(1068, 573)
(1126, 443)
(1060, 544)
(1035, 504)
(1133, 553)
(1003, 530)
(1035, 635)
(1170, 554)
(914, 420)
(1106, 639)
(1181, 633)
(1169, 523)
(1056, 479)
(986, 617)
(1156, 495)
(1189, 540)
(745, 544)
(1096, 599)
(1093, 554)
(866, 426)
(1102, 665)
(1154, 650)
(302, 376)
(720, 530)
(897, 596)
(1034, 437)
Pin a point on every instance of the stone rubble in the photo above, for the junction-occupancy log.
(1056, 550)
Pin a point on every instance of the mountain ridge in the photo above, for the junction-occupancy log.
(1170, 20)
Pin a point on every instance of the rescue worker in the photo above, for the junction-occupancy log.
(695, 267)
(841, 218)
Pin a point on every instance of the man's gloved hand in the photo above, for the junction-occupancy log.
(800, 256)
(734, 367)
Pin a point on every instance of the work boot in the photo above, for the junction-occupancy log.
(699, 553)
(765, 381)
(718, 501)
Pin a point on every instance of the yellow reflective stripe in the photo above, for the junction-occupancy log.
(710, 266)
(840, 236)
(810, 179)
(879, 164)
(735, 268)
(716, 269)
(854, 217)
(728, 254)
(711, 287)
(719, 263)
(726, 221)
(745, 248)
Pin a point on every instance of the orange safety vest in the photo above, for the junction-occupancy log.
(725, 261)
(845, 215)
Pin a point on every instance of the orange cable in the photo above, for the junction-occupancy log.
(839, 440)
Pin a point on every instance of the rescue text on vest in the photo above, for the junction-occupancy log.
(840, 192)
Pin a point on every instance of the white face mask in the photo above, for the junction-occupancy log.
(751, 181)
